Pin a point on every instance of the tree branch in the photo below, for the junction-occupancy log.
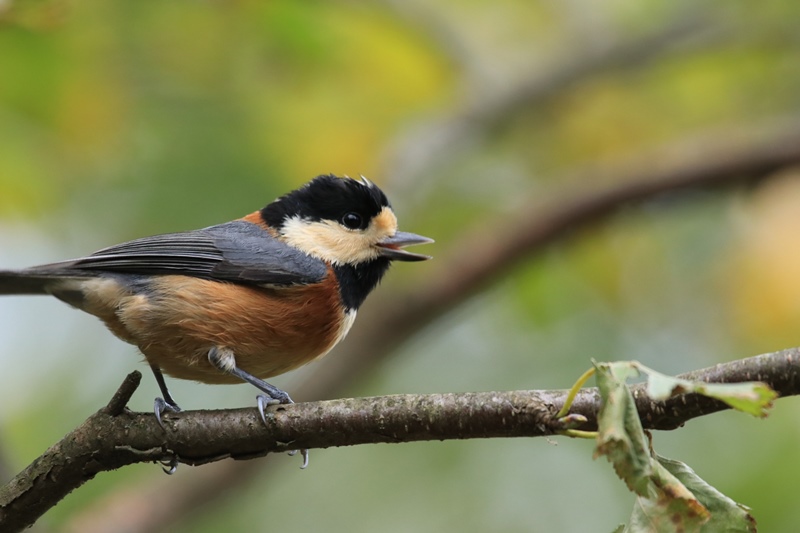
(112, 438)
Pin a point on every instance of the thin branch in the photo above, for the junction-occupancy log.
(107, 441)
(780, 370)
(124, 394)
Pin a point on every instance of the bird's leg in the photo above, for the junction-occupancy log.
(224, 360)
(166, 403)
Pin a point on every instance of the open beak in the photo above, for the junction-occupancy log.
(392, 247)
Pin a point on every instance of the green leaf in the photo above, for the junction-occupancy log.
(754, 398)
(750, 397)
(725, 514)
(620, 435)
(671, 507)
(670, 497)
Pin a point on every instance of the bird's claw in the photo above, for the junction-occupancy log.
(160, 406)
(263, 402)
(172, 464)
(304, 454)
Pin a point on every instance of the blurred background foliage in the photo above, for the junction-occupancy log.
(121, 119)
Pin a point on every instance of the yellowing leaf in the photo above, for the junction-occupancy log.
(670, 497)
(750, 397)
(620, 435)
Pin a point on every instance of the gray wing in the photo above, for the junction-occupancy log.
(237, 251)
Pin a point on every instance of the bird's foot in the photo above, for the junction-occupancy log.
(283, 398)
(160, 406)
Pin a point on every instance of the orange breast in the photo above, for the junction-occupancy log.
(270, 330)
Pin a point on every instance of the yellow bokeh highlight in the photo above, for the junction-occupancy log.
(764, 275)
(339, 118)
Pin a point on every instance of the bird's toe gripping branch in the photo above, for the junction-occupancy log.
(224, 360)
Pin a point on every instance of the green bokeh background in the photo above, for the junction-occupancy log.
(122, 119)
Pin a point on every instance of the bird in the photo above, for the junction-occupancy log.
(241, 301)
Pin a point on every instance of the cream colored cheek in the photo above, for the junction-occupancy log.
(331, 242)
(349, 247)
(385, 224)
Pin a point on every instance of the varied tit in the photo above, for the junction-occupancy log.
(240, 301)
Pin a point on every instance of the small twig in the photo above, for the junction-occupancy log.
(123, 395)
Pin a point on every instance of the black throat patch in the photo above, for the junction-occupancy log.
(357, 281)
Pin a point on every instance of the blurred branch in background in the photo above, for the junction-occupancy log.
(114, 437)
(422, 151)
(485, 253)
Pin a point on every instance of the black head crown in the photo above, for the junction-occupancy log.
(329, 197)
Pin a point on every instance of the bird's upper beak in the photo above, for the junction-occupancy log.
(392, 247)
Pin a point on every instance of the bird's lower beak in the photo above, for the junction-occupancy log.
(392, 247)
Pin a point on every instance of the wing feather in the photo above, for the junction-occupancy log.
(236, 251)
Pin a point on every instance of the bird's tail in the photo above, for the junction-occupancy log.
(23, 282)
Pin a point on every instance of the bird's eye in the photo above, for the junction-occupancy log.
(352, 220)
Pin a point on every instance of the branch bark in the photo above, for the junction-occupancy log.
(115, 437)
